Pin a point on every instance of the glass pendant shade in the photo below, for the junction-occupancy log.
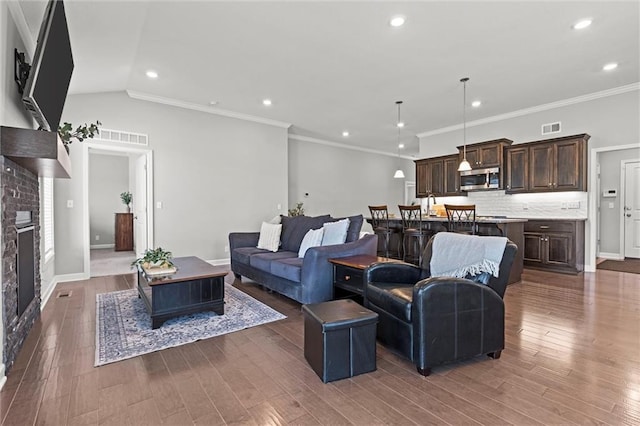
(400, 174)
(464, 166)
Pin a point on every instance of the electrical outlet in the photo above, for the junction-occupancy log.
(69, 204)
(279, 206)
(563, 206)
(159, 205)
(573, 205)
(226, 249)
(525, 206)
(97, 237)
(611, 205)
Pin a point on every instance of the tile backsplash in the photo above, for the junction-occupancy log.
(570, 205)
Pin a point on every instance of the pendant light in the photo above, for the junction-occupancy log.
(399, 174)
(464, 164)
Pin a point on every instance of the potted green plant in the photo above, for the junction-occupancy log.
(68, 135)
(154, 259)
(126, 198)
(298, 210)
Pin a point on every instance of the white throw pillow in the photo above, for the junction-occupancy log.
(335, 232)
(313, 238)
(269, 236)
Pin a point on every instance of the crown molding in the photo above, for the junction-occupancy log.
(344, 146)
(202, 108)
(23, 29)
(544, 107)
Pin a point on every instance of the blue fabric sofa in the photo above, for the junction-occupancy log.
(308, 279)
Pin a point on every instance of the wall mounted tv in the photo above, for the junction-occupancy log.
(46, 88)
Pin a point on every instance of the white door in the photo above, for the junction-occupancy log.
(631, 210)
(140, 205)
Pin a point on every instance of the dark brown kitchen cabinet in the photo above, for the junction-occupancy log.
(555, 245)
(124, 232)
(558, 164)
(485, 154)
(438, 176)
(517, 169)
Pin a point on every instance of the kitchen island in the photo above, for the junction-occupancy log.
(512, 228)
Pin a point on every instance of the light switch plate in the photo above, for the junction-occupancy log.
(69, 204)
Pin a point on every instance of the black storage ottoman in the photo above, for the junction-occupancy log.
(339, 339)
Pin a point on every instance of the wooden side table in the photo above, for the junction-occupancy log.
(348, 272)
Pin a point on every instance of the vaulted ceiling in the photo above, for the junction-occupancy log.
(330, 67)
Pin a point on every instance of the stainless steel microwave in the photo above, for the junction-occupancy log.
(472, 180)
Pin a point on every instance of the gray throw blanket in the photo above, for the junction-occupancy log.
(459, 255)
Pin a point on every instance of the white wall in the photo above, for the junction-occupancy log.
(610, 120)
(108, 178)
(213, 175)
(343, 182)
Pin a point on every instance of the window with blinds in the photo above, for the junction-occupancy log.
(47, 217)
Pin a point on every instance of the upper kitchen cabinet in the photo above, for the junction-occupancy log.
(558, 164)
(438, 176)
(485, 154)
(517, 169)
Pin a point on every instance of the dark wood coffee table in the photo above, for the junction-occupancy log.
(196, 286)
(348, 272)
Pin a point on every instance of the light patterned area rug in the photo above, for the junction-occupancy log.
(123, 325)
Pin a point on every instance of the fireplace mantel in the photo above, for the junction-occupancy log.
(38, 151)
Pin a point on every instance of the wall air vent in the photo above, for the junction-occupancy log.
(551, 128)
(123, 137)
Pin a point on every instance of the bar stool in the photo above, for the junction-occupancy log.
(385, 232)
(462, 218)
(415, 233)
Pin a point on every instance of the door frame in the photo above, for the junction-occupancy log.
(110, 148)
(593, 215)
(623, 165)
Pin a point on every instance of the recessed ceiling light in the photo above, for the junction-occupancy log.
(266, 102)
(400, 145)
(152, 74)
(400, 124)
(610, 67)
(345, 133)
(476, 104)
(397, 21)
(582, 24)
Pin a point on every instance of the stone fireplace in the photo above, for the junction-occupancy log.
(20, 206)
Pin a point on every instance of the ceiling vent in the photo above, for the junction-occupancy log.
(123, 137)
(551, 128)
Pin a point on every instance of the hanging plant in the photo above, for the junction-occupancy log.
(68, 135)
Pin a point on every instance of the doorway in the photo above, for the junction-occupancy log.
(599, 209)
(131, 171)
(630, 224)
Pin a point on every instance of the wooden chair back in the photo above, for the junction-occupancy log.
(461, 218)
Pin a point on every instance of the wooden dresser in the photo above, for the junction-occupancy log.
(124, 231)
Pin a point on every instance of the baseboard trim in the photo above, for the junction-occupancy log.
(612, 256)
(3, 377)
(71, 277)
(219, 262)
(102, 246)
(45, 297)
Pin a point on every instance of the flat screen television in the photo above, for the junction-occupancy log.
(51, 69)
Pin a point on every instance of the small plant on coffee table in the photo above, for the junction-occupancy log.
(154, 258)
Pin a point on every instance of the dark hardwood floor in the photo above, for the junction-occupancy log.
(572, 357)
